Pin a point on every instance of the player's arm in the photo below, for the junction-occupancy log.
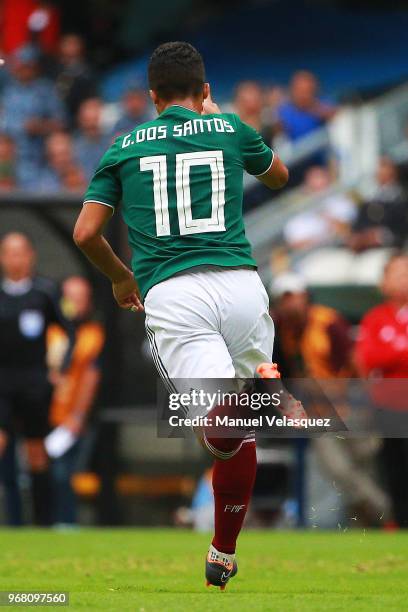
(259, 159)
(277, 174)
(88, 236)
(103, 195)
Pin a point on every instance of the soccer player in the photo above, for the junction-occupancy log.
(179, 181)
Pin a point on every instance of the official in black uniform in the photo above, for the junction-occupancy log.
(28, 304)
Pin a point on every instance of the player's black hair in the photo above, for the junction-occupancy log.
(176, 70)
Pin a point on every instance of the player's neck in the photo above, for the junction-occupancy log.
(189, 103)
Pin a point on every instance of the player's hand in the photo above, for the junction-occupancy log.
(126, 293)
(209, 106)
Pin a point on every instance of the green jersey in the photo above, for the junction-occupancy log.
(179, 180)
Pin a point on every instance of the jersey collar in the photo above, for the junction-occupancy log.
(178, 108)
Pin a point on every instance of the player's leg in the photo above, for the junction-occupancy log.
(248, 329)
(182, 371)
(249, 333)
(183, 328)
(183, 324)
(233, 481)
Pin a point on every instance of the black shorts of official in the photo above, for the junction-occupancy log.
(25, 396)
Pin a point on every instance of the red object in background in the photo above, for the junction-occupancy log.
(15, 21)
(382, 352)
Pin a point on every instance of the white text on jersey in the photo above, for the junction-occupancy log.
(189, 128)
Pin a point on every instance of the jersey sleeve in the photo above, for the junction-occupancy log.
(257, 157)
(105, 186)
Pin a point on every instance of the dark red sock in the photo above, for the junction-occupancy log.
(233, 481)
(223, 438)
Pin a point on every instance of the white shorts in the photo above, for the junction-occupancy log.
(209, 322)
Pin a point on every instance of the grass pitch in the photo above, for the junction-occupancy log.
(162, 570)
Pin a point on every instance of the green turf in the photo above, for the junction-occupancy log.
(162, 570)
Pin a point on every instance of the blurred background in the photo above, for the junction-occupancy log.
(326, 84)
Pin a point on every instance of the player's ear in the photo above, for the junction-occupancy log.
(206, 90)
(153, 95)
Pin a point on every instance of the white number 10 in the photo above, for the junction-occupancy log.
(184, 161)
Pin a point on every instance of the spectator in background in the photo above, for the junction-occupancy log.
(248, 103)
(75, 391)
(28, 305)
(135, 110)
(330, 223)
(304, 112)
(300, 116)
(31, 111)
(382, 353)
(75, 81)
(314, 341)
(90, 142)
(74, 179)
(7, 163)
(249, 106)
(61, 172)
(274, 97)
(383, 219)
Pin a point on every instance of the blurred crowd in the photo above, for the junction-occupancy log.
(55, 126)
(53, 130)
(315, 341)
(380, 219)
